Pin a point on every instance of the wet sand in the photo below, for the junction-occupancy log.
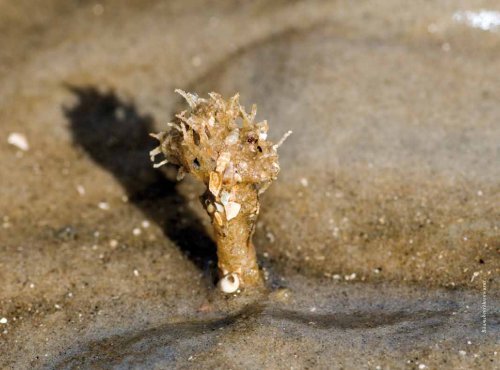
(379, 241)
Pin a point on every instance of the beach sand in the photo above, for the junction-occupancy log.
(380, 240)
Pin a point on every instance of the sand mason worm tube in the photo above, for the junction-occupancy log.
(219, 143)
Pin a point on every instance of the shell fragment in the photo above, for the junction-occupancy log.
(215, 183)
(229, 283)
(232, 209)
(222, 161)
(19, 141)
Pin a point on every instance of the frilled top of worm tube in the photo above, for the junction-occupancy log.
(218, 142)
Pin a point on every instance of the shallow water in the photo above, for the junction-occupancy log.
(383, 227)
(360, 325)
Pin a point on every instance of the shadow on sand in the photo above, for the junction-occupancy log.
(116, 137)
(169, 343)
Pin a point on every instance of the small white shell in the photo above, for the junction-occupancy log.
(222, 161)
(232, 210)
(218, 218)
(225, 196)
(233, 137)
(263, 128)
(229, 283)
(215, 183)
(229, 172)
(19, 141)
(219, 207)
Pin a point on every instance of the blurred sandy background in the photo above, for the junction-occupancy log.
(383, 226)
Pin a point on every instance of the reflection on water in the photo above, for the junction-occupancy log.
(486, 20)
(399, 325)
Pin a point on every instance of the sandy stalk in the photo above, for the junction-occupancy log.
(219, 143)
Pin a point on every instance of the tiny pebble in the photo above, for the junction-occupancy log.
(304, 182)
(113, 243)
(462, 353)
(422, 366)
(3, 320)
(103, 205)
(136, 231)
(136, 273)
(145, 224)
(270, 237)
(19, 141)
(81, 190)
(350, 277)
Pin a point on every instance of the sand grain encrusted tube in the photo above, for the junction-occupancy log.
(237, 163)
